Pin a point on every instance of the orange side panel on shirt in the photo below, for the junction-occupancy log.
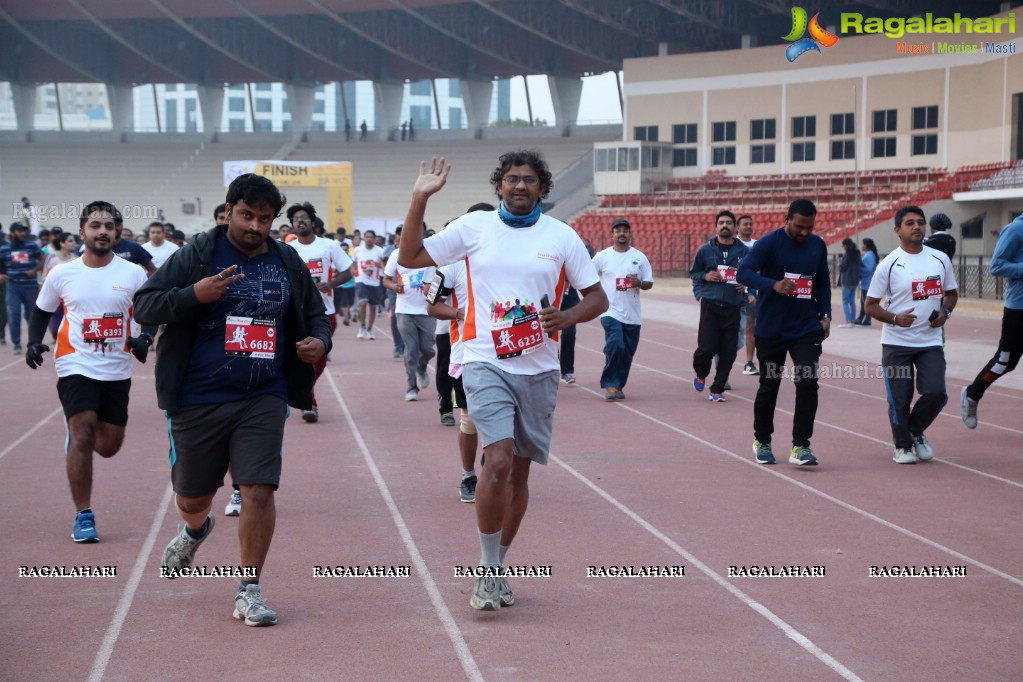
(454, 322)
(558, 296)
(63, 337)
(469, 328)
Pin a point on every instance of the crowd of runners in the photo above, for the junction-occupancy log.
(245, 315)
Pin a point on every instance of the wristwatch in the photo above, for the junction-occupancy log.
(947, 311)
(825, 316)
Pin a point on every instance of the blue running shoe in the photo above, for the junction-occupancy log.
(698, 384)
(717, 398)
(802, 456)
(85, 528)
(763, 452)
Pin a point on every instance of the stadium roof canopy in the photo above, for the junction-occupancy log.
(315, 41)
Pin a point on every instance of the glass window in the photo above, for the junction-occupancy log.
(683, 133)
(804, 126)
(925, 144)
(842, 124)
(762, 153)
(885, 121)
(683, 157)
(236, 104)
(645, 133)
(454, 88)
(843, 149)
(804, 151)
(723, 131)
(762, 129)
(925, 117)
(419, 88)
(722, 156)
(882, 147)
(264, 105)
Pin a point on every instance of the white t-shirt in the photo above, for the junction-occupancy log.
(93, 336)
(748, 244)
(913, 282)
(160, 253)
(614, 268)
(509, 271)
(325, 259)
(411, 300)
(454, 279)
(370, 263)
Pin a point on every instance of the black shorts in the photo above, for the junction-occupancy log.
(345, 297)
(108, 399)
(368, 292)
(245, 435)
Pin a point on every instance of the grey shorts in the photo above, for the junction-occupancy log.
(245, 435)
(368, 292)
(516, 406)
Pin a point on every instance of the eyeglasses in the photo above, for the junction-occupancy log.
(512, 180)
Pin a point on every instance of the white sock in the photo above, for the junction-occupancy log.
(468, 474)
(490, 552)
(504, 552)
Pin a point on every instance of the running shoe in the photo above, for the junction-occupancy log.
(611, 395)
(369, 335)
(181, 550)
(968, 409)
(447, 419)
(802, 456)
(904, 456)
(361, 334)
(568, 378)
(249, 605)
(506, 596)
(486, 593)
(924, 451)
(312, 416)
(234, 505)
(423, 376)
(17, 349)
(84, 530)
(717, 398)
(763, 452)
(750, 369)
(698, 384)
(397, 353)
(467, 490)
(412, 395)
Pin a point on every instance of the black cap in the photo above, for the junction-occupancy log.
(940, 222)
(621, 222)
(177, 234)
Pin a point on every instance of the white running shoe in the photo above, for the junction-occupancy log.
(924, 451)
(904, 456)
(968, 409)
(234, 505)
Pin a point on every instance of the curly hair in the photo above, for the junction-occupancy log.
(523, 157)
(255, 190)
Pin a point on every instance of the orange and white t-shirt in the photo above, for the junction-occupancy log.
(93, 336)
(508, 273)
(325, 259)
(454, 279)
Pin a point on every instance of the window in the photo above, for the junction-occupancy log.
(804, 126)
(454, 88)
(843, 124)
(454, 116)
(882, 147)
(843, 149)
(286, 105)
(925, 117)
(190, 119)
(683, 157)
(420, 116)
(652, 157)
(684, 133)
(804, 151)
(722, 156)
(723, 131)
(419, 88)
(263, 87)
(236, 104)
(885, 121)
(264, 105)
(974, 228)
(171, 122)
(171, 87)
(236, 125)
(762, 129)
(925, 144)
(645, 133)
(263, 126)
(319, 106)
(761, 153)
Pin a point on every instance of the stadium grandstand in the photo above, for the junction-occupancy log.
(714, 113)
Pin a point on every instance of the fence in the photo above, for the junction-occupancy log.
(973, 277)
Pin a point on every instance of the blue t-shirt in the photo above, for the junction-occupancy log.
(238, 350)
(19, 259)
(867, 267)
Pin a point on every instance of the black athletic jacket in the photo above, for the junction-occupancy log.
(169, 298)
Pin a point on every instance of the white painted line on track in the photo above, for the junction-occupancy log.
(748, 460)
(830, 425)
(465, 656)
(28, 433)
(789, 631)
(106, 647)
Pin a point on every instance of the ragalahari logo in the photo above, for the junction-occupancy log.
(818, 36)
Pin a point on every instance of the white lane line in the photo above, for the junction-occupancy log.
(106, 648)
(28, 433)
(19, 361)
(465, 656)
(886, 443)
(745, 459)
(789, 631)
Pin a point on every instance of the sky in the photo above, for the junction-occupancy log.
(599, 102)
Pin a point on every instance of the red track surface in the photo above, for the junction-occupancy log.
(663, 478)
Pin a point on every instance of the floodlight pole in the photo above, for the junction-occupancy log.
(856, 174)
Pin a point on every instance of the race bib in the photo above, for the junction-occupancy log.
(728, 274)
(316, 269)
(804, 284)
(927, 288)
(369, 268)
(101, 328)
(623, 283)
(512, 338)
(248, 337)
(20, 257)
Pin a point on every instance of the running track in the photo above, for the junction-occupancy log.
(663, 478)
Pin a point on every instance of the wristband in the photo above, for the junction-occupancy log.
(895, 318)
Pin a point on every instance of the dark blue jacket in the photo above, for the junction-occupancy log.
(708, 258)
(787, 317)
